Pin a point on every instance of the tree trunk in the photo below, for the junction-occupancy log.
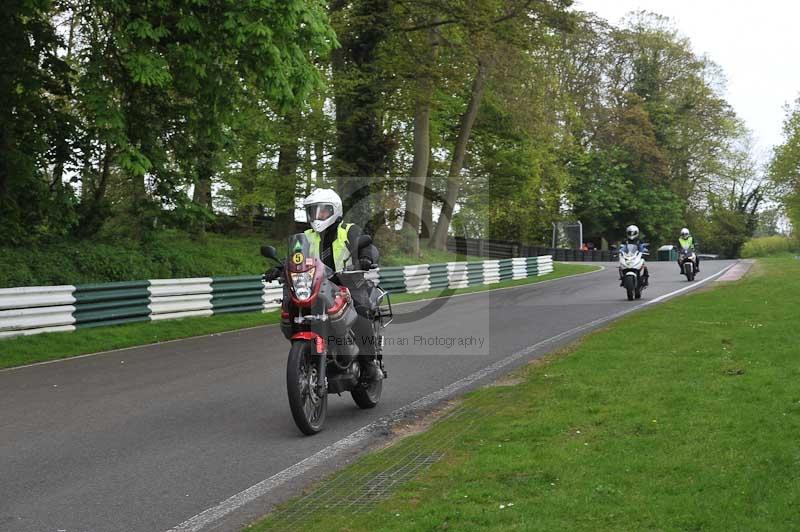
(246, 208)
(102, 186)
(439, 240)
(416, 181)
(202, 188)
(308, 166)
(319, 163)
(362, 149)
(318, 118)
(427, 208)
(412, 218)
(286, 193)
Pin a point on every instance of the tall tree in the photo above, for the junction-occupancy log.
(784, 169)
(362, 148)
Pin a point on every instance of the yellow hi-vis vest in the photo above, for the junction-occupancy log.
(686, 243)
(340, 248)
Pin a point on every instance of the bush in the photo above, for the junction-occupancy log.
(166, 254)
(769, 245)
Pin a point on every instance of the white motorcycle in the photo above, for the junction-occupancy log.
(631, 270)
(688, 260)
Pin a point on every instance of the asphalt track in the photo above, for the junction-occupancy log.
(147, 439)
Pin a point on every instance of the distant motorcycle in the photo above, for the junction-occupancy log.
(688, 262)
(631, 268)
(318, 316)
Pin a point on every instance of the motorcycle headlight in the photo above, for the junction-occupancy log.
(302, 283)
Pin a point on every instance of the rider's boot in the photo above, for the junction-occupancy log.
(372, 371)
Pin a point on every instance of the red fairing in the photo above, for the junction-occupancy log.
(319, 342)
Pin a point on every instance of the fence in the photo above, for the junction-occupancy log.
(31, 310)
(451, 275)
(38, 309)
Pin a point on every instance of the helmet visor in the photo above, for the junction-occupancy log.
(632, 233)
(319, 211)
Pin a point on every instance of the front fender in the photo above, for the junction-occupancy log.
(319, 341)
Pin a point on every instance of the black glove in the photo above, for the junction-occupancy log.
(273, 273)
(365, 263)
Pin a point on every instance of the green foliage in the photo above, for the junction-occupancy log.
(137, 117)
(770, 245)
(144, 94)
(785, 165)
(34, 81)
(651, 151)
(166, 254)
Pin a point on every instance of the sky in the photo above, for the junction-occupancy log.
(757, 44)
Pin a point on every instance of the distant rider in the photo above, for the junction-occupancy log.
(686, 241)
(632, 234)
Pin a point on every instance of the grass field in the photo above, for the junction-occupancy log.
(682, 417)
(51, 346)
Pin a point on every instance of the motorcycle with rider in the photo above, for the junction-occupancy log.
(688, 260)
(332, 312)
(633, 273)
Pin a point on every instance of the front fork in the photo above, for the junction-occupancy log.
(322, 380)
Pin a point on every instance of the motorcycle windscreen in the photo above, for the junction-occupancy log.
(299, 255)
(629, 249)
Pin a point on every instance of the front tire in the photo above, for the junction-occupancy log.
(309, 409)
(630, 286)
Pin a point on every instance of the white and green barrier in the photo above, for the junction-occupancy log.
(424, 277)
(31, 310)
(38, 309)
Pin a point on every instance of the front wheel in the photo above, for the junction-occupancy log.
(630, 286)
(307, 401)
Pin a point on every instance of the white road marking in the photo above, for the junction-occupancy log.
(224, 508)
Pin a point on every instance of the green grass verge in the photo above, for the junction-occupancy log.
(51, 346)
(426, 256)
(682, 417)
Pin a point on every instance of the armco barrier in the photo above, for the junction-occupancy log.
(180, 298)
(111, 303)
(36, 308)
(237, 294)
(32, 310)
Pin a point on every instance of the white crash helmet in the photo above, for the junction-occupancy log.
(685, 232)
(323, 208)
(632, 231)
